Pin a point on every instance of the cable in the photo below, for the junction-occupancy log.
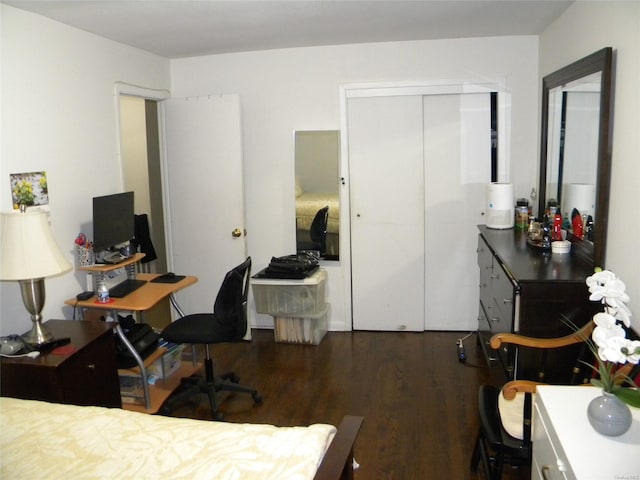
(462, 353)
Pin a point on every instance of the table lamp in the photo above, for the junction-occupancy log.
(28, 254)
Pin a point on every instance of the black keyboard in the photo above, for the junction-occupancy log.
(125, 288)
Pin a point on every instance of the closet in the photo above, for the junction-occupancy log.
(418, 164)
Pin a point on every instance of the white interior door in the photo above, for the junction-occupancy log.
(387, 212)
(206, 193)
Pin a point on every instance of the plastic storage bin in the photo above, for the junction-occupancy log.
(309, 329)
(167, 364)
(278, 297)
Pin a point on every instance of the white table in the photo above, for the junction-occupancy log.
(567, 447)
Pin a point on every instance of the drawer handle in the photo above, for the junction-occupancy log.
(92, 366)
(494, 275)
(508, 300)
(495, 319)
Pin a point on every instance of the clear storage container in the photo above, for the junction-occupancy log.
(309, 329)
(280, 297)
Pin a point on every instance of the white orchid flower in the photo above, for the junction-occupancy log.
(632, 351)
(606, 329)
(612, 350)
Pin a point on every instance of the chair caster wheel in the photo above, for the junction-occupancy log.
(218, 417)
(257, 398)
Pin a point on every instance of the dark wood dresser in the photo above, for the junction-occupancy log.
(528, 291)
(87, 376)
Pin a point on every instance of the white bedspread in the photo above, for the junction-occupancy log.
(53, 441)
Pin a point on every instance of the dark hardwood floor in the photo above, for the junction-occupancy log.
(419, 403)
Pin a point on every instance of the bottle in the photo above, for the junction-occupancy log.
(557, 227)
(103, 293)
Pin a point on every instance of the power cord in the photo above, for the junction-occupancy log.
(462, 353)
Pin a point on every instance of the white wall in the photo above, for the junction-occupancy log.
(584, 28)
(59, 115)
(298, 89)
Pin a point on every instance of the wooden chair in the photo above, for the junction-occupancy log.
(504, 436)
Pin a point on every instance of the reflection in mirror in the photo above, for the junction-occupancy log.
(574, 117)
(575, 151)
(317, 162)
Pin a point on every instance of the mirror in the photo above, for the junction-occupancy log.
(317, 155)
(575, 151)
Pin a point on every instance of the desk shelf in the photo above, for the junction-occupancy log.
(161, 390)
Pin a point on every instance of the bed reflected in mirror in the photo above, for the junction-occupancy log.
(317, 155)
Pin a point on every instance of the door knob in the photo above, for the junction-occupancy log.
(236, 233)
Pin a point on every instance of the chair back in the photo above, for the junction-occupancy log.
(230, 308)
(318, 229)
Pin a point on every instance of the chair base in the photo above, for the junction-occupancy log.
(210, 385)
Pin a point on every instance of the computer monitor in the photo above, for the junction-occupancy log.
(113, 221)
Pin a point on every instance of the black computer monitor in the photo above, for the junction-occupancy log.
(113, 221)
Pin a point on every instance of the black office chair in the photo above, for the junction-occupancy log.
(227, 323)
(317, 233)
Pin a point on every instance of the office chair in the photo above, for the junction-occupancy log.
(317, 233)
(504, 436)
(227, 323)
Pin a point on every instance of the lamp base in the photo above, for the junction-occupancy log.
(38, 334)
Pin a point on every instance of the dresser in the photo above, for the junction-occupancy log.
(528, 291)
(566, 447)
(86, 376)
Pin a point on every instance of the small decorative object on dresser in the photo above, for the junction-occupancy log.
(609, 413)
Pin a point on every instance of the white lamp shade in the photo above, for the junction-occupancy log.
(27, 247)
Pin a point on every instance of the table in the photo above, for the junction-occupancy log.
(565, 446)
(140, 300)
(86, 376)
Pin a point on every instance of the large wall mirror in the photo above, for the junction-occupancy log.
(317, 155)
(575, 151)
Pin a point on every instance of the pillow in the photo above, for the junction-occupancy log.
(511, 412)
(298, 187)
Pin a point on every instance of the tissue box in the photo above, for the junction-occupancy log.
(168, 364)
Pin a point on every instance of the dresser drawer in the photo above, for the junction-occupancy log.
(548, 461)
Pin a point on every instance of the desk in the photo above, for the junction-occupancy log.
(140, 300)
(565, 446)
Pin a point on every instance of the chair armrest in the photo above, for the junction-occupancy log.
(510, 389)
(576, 337)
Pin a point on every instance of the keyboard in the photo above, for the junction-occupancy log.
(124, 288)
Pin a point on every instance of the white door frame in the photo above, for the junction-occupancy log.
(429, 87)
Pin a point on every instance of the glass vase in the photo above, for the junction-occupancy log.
(608, 415)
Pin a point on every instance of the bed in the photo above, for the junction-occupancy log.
(308, 204)
(47, 440)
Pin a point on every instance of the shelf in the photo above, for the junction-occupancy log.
(159, 352)
(108, 267)
(161, 390)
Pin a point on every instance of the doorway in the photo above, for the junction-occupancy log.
(141, 165)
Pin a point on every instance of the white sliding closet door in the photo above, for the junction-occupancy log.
(387, 212)
(418, 167)
(457, 156)
(206, 193)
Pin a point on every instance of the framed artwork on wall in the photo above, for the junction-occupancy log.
(29, 189)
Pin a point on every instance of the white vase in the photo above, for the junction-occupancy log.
(608, 415)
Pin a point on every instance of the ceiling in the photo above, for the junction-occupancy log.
(185, 28)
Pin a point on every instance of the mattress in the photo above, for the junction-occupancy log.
(55, 441)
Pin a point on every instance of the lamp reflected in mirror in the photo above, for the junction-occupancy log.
(317, 200)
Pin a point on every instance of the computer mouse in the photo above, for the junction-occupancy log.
(169, 275)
